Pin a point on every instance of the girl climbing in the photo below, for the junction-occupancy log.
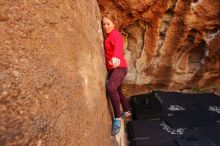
(117, 70)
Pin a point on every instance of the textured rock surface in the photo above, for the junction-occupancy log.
(52, 74)
(169, 44)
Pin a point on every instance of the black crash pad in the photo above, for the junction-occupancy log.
(150, 130)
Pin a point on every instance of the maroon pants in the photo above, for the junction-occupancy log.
(114, 90)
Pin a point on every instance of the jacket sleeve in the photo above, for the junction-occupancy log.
(117, 43)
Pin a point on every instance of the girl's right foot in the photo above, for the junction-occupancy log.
(116, 126)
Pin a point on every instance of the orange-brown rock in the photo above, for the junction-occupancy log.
(169, 44)
(52, 74)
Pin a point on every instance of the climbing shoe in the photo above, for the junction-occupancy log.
(116, 126)
(126, 115)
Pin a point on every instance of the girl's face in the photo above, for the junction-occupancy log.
(108, 25)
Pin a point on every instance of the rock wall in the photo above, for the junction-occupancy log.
(52, 74)
(169, 44)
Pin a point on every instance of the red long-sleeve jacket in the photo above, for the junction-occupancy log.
(114, 48)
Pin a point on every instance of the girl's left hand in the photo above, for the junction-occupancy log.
(115, 62)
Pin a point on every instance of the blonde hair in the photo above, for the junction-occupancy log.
(111, 17)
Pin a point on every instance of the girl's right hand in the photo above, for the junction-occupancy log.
(115, 62)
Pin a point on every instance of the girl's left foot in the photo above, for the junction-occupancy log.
(126, 115)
